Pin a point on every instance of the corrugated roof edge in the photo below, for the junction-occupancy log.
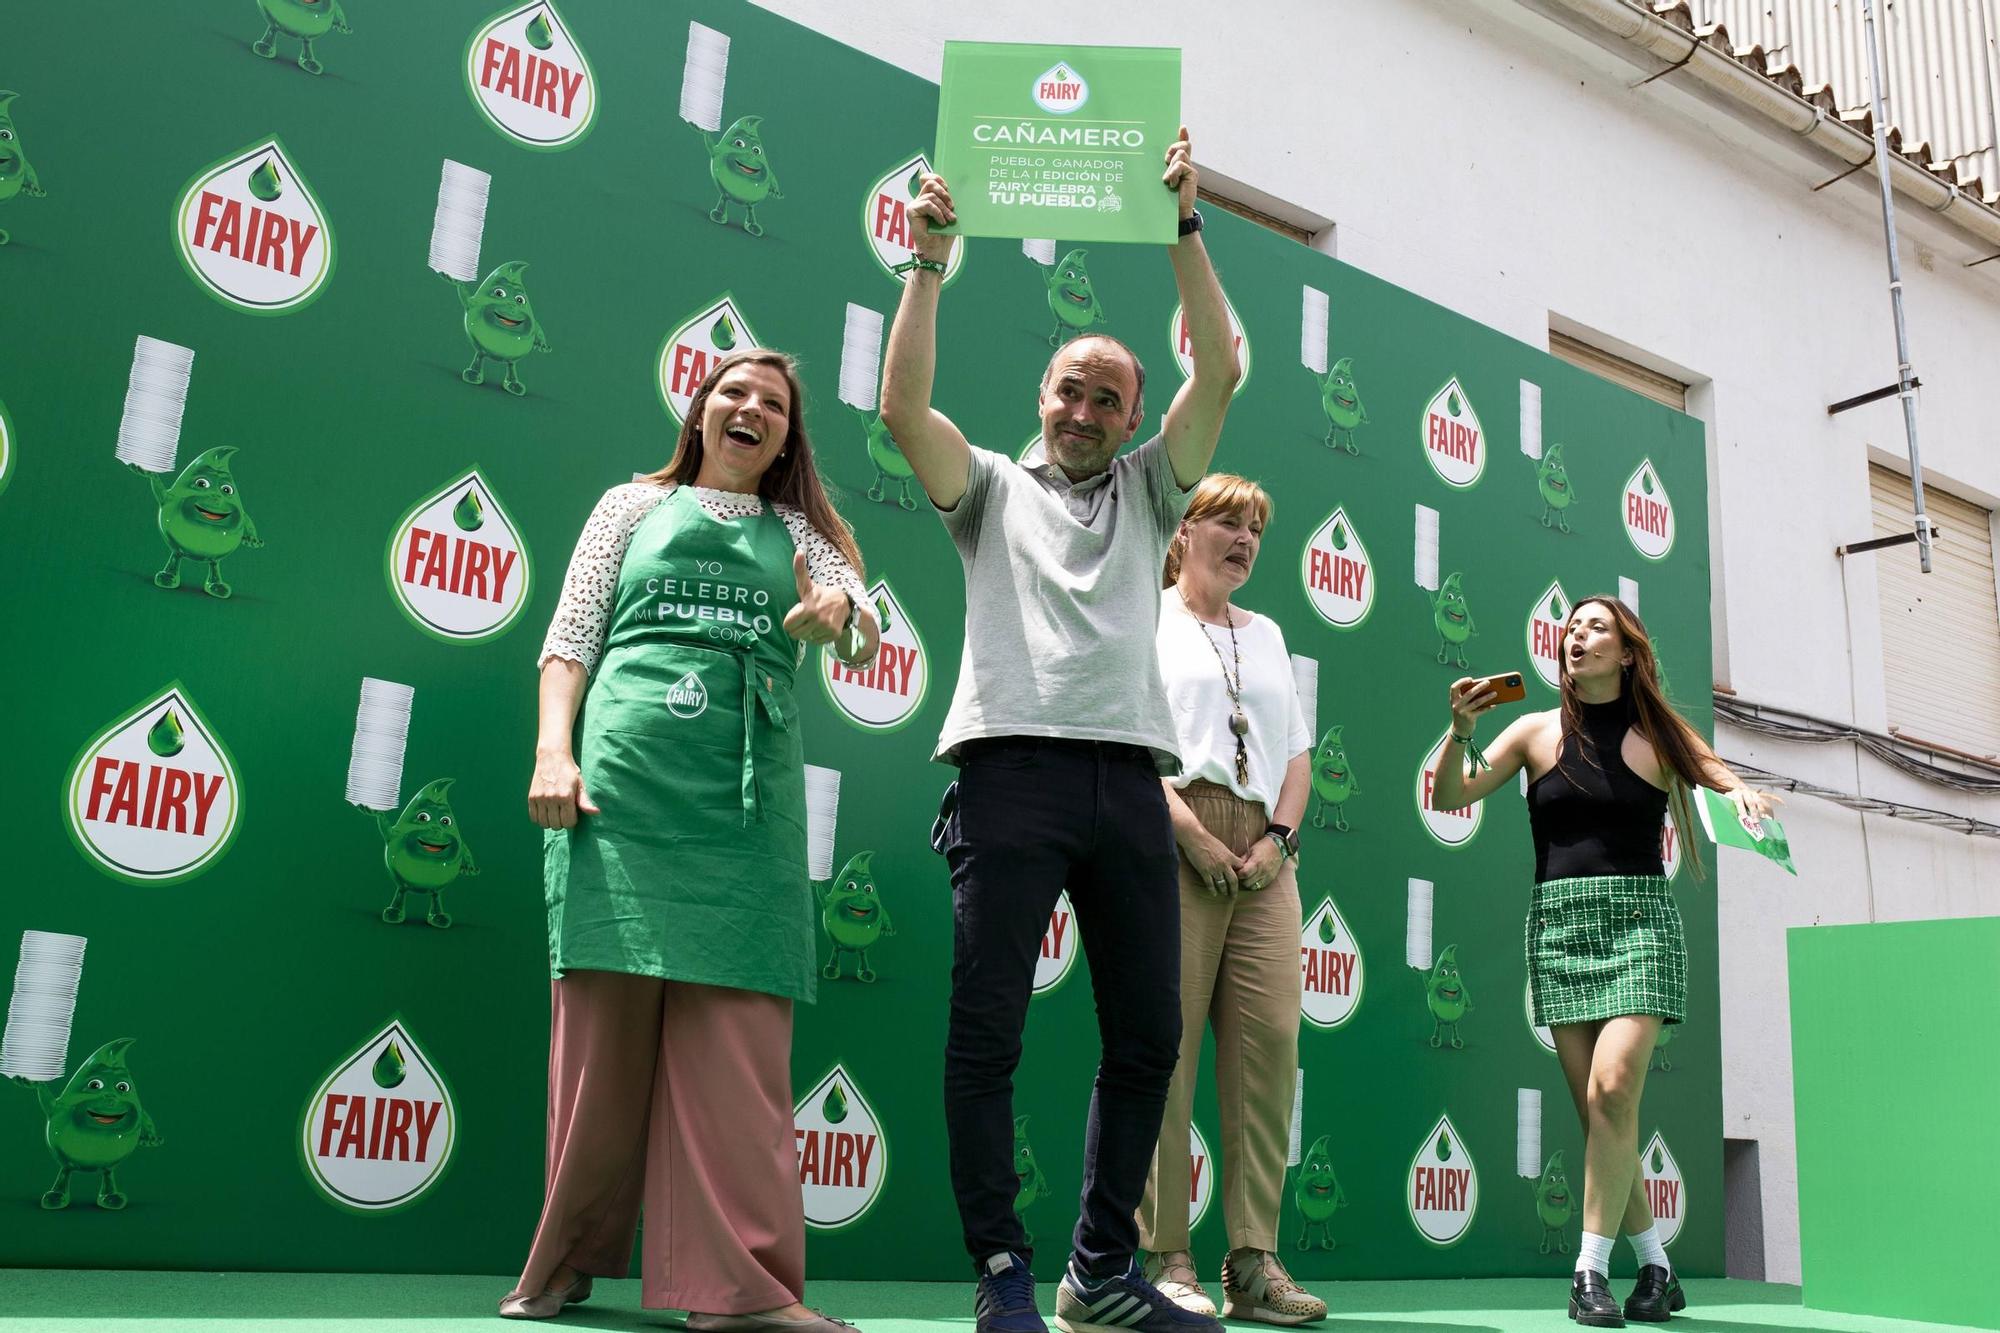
(1788, 76)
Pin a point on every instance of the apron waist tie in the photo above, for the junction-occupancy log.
(753, 808)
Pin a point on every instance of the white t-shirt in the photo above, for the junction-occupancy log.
(1199, 701)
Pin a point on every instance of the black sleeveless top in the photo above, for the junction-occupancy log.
(1596, 818)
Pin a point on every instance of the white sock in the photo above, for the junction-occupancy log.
(1646, 1244)
(1594, 1255)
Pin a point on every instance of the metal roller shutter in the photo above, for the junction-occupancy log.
(1940, 631)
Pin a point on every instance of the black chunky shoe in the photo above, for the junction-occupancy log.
(1591, 1303)
(1655, 1297)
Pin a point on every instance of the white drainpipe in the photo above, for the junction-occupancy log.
(1720, 74)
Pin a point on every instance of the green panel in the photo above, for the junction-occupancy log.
(1894, 1115)
(245, 984)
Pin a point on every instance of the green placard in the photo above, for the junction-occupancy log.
(1726, 825)
(1065, 141)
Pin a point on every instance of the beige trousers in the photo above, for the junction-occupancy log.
(675, 1098)
(1240, 975)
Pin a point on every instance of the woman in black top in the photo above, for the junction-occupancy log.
(1607, 964)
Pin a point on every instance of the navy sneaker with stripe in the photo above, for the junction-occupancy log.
(1118, 1304)
(1006, 1299)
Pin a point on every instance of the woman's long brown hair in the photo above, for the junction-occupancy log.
(792, 479)
(1681, 749)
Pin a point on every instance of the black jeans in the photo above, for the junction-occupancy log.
(1034, 817)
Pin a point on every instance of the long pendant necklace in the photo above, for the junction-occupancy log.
(1239, 723)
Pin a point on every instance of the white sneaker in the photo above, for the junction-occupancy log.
(1173, 1274)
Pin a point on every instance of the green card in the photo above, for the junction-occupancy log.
(1727, 827)
(1060, 141)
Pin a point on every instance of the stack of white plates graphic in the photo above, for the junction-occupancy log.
(381, 728)
(703, 78)
(1528, 1132)
(860, 357)
(1305, 679)
(1313, 310)
(1531, 436)
(460, 221)
(822, 814)
(1427, 548)
(149, 432)
(38, 1016)
(1417, 934)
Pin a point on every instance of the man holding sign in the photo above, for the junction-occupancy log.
(1061, 728)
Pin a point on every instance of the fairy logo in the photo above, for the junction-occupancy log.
(1648, 513)
(1546, 619)
(1183, 345)
(1330, 968)
(687, 698)
(885, 218)
(1339, 578)
(691, 351)
(251, 232)
(6, 449)
(380, 1129)
(457, 564)
(1201, 1176)
(886, 693)
(1060, 946)
(1443, 1186)
(1454, 442)
(1453, 828)
(843, 1157)
(154, 797)
(530, 79)
(1670, 845)
(1544, 1038)
(1059, 90)
(1666, 1192)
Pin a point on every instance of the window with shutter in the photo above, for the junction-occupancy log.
(1608, 365)
(1941, 630)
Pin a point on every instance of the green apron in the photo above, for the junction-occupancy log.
(696, 868)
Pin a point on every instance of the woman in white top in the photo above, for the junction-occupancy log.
(1235, 806)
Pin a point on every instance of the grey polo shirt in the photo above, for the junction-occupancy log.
(1062, 601)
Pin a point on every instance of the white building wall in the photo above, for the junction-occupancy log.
(1482, 156)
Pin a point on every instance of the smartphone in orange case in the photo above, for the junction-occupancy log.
(1507, 686)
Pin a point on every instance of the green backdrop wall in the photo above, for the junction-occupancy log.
(277, 223)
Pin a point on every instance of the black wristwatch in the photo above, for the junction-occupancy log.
(1191, 223)
(1287, 837)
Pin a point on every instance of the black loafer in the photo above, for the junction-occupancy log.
(1591, 1303)
(1655, 1296)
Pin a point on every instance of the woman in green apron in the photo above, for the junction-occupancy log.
(680, 914)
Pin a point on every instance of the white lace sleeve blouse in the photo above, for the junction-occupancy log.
(583, 612)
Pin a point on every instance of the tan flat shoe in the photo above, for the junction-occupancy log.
(548, 1304)
(767, 1323)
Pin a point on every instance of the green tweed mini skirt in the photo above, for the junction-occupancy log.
(1602, 946)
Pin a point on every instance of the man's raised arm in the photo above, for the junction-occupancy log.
(937, 452)
(1194, 422)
